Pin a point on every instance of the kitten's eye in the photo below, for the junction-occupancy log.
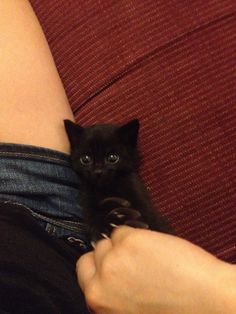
(86, 160)
(112, 158)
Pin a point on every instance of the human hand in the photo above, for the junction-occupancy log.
(141, 271)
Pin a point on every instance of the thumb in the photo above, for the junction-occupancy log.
(85, 269)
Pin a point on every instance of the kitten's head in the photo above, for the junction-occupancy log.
(101, 153)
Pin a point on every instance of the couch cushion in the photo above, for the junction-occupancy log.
(172, 65)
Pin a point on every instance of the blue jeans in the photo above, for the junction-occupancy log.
(43, 181)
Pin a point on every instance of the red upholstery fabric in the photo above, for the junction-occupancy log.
(172, 64)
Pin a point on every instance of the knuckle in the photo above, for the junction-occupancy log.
(78, 263)
(92, 295)
(81, 261)
(109, 264)
(131, 239)
(95, 297)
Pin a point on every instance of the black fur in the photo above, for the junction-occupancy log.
(102, 180)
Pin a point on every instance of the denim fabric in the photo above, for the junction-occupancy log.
(43, 181)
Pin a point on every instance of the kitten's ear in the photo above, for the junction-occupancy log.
(129, 132)
(73, 131)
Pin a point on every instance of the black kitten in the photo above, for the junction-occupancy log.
(106, 160)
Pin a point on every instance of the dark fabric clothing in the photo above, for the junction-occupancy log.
(37, 271)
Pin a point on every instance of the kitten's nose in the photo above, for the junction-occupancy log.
(98, 172)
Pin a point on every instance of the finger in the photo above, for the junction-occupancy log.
(102, 248)
(120, 233)
(85, 269)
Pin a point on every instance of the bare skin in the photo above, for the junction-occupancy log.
(140, 271)
(33, 102)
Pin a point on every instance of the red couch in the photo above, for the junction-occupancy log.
(172, 64)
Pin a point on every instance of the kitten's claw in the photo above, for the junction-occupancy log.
(104, 235)
(113, 202)
(119, 215)
(113, 225)
(96, 238)
(93, 244)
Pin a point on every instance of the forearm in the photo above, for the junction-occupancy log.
(207, 294)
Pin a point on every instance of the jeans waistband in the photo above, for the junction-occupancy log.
(34, 153)
(42, 180)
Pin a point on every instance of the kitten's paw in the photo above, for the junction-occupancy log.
(137, 224)
(119, 216)
(125, 216)
(110, 203)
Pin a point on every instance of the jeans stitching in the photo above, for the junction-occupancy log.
(28, 155)
(49, 220)
(58, 223)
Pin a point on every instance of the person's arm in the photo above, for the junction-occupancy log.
(141, 271)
